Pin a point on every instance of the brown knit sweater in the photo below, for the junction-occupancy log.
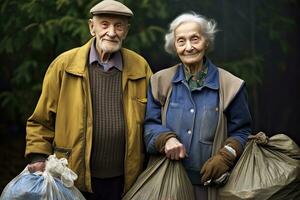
(107, 159)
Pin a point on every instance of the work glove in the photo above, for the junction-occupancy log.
(222, 162)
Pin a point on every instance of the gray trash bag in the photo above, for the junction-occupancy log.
(288, 192)
(163, 179)
(269, 169)
(55, 183)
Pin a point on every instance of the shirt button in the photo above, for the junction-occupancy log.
(192, 110)
(189, 132)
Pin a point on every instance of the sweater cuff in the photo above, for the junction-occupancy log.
(162, 139)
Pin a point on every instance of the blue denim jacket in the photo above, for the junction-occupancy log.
(193, 116)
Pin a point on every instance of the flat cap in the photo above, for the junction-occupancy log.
(111, 7)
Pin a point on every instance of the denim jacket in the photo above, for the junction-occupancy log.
(193, 116)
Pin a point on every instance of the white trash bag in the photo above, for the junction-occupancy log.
(55, 183)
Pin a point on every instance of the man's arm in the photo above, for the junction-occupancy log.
(41, 124)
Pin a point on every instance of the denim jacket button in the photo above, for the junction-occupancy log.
(189, 132)
(192, 110)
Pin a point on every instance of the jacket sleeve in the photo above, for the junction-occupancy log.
(153, 123)
(239, 117)
(148, 73)
(40, 126)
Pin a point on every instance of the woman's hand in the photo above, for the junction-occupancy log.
(174, 149)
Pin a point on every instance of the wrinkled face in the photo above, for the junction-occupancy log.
(190, 44)
(110, 31)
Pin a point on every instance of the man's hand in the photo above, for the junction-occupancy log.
(174, 149)
(37, 166)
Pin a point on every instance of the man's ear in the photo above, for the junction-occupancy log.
(91, 26)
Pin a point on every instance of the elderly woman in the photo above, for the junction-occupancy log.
(196, 111)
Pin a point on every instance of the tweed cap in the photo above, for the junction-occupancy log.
(111, 7)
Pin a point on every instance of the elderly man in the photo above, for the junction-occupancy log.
(92, 106)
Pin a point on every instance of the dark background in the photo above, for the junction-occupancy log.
(258, 40)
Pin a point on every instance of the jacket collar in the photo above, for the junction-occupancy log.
(131, 66)
(79, 62)
(211, 80)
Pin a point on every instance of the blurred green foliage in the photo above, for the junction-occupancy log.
(34, 32)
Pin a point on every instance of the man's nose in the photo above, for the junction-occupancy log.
(111, 31)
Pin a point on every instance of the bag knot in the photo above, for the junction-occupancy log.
(259, 138)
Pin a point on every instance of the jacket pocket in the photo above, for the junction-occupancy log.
(140, 108)
(142, 100)
(174, 116)
(208, 125)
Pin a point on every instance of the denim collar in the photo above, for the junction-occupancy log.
(211, 80)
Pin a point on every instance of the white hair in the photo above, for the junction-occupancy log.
(208, 28)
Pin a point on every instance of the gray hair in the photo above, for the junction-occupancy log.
(208, 28)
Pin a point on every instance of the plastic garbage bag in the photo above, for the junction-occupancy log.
(55, 183)
(269, 168)
(163, 179)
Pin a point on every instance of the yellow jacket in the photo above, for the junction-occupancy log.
(62, 120)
